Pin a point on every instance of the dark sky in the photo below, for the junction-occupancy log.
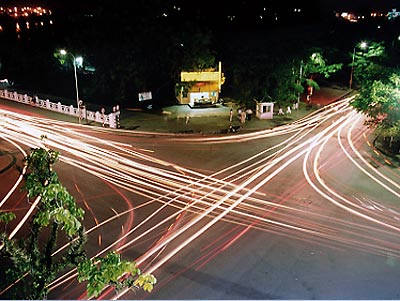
(327, 3)
(363, 5)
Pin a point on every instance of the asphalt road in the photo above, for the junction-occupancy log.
(308, 210)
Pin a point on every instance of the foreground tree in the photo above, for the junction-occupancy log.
(379, 101)
(379, 94)
(30, 264)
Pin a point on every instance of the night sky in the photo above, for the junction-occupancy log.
(326, 4)
(360, 4)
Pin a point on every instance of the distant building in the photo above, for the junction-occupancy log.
(355, 17)
(24, 11)
(25, 18)
(393, 14)
(351, 17)
(200, 87)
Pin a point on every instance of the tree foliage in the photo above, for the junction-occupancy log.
(6, 217)
(369, 63)
(30, 262)
(283, 85)
(269, 74)
(316, 66)
(379, 94)
(288, 80)
(112, 271)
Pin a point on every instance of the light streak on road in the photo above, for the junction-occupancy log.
(366, 163)
(331, 191)
(18, 181)
(236, 194)
(25, 218)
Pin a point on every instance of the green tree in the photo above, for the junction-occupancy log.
(379, 101)
(287, 79)
(369, 66)
(316, 66)
(30, 262)
(282, 86)
(379, 94)
(112, 271)
(369, 63)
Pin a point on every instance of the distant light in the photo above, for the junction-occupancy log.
(79, 61)
(363, 45)
(63, 52)
(379, 27)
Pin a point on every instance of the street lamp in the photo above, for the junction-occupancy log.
(363, 45)
(64, 52)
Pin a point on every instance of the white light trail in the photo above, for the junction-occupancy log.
(234, 193)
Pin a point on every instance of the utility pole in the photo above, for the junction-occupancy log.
(300, 77)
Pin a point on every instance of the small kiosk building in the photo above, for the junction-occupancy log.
(265, 110)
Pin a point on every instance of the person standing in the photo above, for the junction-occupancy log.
(243, 117)
(239, 113)
(103, 117)
(230, 115)
(249, 112)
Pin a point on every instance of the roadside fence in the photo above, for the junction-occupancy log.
(111, 120)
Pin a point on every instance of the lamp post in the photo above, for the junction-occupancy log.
(64, 52)
(363, 45)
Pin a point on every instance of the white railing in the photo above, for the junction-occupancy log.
(104, 119)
